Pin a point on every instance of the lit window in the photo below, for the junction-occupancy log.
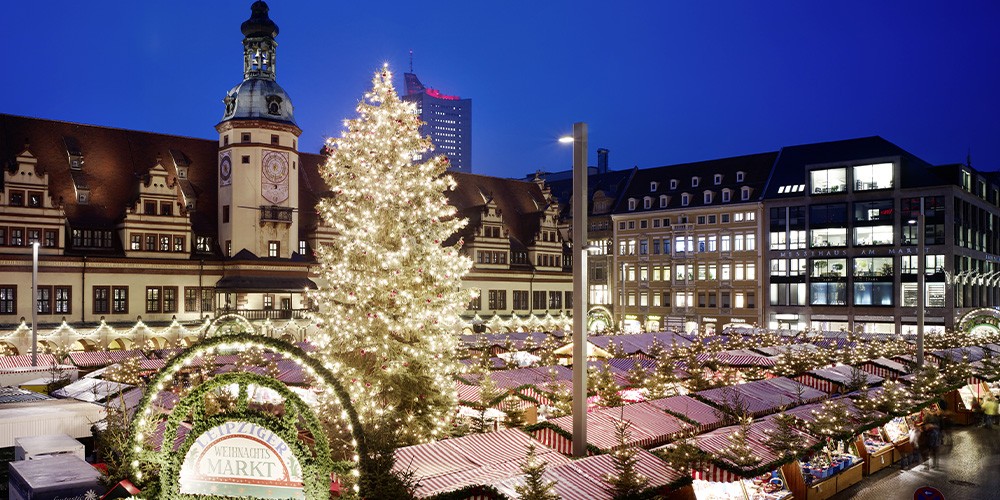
(833, 180)
(877, 176)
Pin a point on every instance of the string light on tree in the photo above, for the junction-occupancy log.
(389, 312)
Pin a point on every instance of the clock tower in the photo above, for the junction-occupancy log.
(258, 158)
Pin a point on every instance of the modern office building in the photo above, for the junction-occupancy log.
(844, 248)
(447, 120)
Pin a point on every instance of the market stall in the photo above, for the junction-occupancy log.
(649, 426)
(771, 477)
(762, 397)
(704, 417)
(467, 462)
(885, 368)
(835, 379)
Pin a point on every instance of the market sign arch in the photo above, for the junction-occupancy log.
(985, 320)
(142, 457)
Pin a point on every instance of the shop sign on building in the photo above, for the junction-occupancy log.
(241, 459)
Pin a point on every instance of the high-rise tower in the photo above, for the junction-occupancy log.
(448, 121)
(258, 157)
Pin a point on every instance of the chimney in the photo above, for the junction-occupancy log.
(602, 160)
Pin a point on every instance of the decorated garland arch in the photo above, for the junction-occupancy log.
(169, 463)
(316, 461)
(988, 317)
(224, 325)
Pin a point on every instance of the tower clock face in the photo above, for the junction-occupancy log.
(274, 176)
(225, 169)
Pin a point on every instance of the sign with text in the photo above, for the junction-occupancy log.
(244, 460)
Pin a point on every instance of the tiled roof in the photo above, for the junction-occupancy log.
(792, 165)
(116, 160)
(755, 170)
(521, 203)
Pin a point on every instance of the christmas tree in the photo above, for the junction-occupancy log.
(535, 487)
(389, 308)
(627, 482)
(606, 386)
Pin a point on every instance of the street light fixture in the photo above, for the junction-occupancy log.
(580, 248)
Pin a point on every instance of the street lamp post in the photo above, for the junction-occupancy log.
(34, 304)
(580, 173)
(921, 271)
(921, 279)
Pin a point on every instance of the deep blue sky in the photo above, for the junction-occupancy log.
(657, 82)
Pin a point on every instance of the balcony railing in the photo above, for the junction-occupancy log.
(262, 314)
(270, 213)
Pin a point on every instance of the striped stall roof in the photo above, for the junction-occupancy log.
(884, 367)
(476, 459)
(957, 354)
(808, 413)
(781, 349)
(152, 364)
(94, 359)
(763, 397)
(537, 376)
(584, 479)
(24, 361)
(716, 441)
(641, 342)
(688, 407)
(156, 440)
(739, 358)
(840, 376)
(648, 426)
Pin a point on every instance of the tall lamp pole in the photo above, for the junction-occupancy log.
(921, 277)
(34, 304)
(580, 173)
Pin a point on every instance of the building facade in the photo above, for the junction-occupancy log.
(145, 237)
(517, 242)
(686, 253)
(447, 120)
(844, 247)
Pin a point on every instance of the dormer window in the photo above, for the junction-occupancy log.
(739, 176)
(694, 181)
(653, 186)
(708, 197)
(647, 203)
(718, 179)
(685, 198)
(726, 195)
(745, 193)
(673, 183)
(631, 204)
(664, 199)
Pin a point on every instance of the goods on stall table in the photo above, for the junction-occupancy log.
(769, 486)
(822, 466)
(874, 442)
(710, 490)
(896, 429)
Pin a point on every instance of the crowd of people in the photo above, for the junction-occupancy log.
(928, 435)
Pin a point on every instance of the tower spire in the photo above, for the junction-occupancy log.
(411, 60)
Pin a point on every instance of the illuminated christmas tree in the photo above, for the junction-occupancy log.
(389, 308)
(626, 482)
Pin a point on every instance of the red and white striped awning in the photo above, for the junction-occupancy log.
(688, 407)
(24, 361)
(94, 359)
(476, 459)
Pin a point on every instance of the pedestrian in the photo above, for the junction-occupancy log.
(932, 430)
(977, 410)
(990, 409)
(914, 452)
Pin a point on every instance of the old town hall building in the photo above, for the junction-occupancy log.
(137, 226)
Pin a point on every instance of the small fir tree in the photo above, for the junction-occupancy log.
(637, 376)
(662, 382)
(560, 396)
(129, 371)
(626, 482)
(606, 387)
(833, 420)
(784, 440)
(489, 393)
(547, 351)
(740, 451)
(535, 487)
(927, 384)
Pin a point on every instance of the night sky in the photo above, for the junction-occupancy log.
(657, 82)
